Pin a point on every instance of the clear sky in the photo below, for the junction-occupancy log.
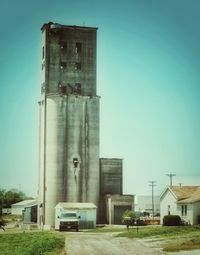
(148, 79)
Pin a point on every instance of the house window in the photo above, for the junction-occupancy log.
(78, 47)
(78, 66)
(168, 209)
(184, 210)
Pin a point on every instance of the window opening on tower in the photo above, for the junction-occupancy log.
(63, 45)
(77, 66)
(43, 52)
(63, 65)
(78, 47)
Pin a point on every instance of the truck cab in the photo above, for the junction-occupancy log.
(68, 220)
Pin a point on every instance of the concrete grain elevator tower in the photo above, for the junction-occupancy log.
(69, 119)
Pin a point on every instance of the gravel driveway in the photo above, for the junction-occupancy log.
(84, 243)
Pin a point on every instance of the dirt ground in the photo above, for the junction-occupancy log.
(84, 243)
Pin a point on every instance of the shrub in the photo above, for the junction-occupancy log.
(128, 218)
(171, 220)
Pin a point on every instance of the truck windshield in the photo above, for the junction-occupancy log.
(68, 215)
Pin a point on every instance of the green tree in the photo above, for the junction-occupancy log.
(128, 218)
(7, 198)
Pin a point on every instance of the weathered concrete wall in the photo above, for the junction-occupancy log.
(70, 59)
(110, 176)
(72, 132)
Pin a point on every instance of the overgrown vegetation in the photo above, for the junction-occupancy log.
(128, 218)
(38, 243)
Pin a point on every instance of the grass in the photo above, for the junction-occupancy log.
(159, 231)
(37, 243)
(173, 238)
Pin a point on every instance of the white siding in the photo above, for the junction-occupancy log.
(17, 210)
(167, 204)
(189, 217)
(196, 212)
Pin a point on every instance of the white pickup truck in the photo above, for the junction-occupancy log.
(68, 220)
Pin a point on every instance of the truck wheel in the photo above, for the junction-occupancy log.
(77, 230)
(60, 229)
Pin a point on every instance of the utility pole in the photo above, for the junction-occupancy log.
(152, 185)
(171, 176)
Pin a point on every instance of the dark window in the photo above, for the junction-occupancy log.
(43, 52)
(63, 44)
(78, 47)
(184, 210)
(77, 88)
(78, 66)
(63, 65)
(168, 209)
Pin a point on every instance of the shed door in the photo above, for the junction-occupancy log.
(83, 215)
(118, 212)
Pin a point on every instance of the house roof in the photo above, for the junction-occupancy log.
(71, 205)
(186, 194)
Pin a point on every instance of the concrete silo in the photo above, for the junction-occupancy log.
(69, 119)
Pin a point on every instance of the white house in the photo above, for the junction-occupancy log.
(18, 208)
(183, 201)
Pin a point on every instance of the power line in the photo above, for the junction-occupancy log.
(170, 177)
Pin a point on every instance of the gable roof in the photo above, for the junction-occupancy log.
(186, 194)
(24, 203)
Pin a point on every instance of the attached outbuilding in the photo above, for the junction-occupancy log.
(86, 211)
(183, 201)
(30, 213)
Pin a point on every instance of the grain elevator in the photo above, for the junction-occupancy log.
(70, 169)
(69, 119)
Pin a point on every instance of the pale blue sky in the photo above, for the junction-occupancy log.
(148, 80)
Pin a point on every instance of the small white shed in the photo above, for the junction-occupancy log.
(18, 208)
(86, 211)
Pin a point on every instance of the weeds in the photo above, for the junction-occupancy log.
(45, 243)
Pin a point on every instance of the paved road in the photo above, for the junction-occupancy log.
(83, 243)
